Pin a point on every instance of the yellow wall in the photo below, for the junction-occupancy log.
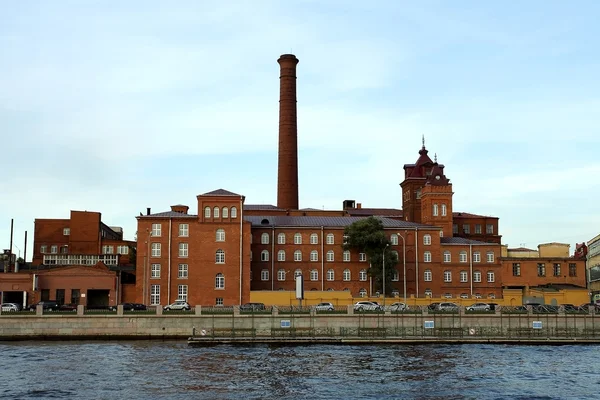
(554, 250)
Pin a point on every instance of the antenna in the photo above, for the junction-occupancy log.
(423, 140)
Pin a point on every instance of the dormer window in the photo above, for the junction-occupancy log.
(216, 212)
(206, 212)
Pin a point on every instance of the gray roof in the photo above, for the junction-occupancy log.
(220, 192)
(169, 214)
(261, 207)
(309, 221)
(459, 240)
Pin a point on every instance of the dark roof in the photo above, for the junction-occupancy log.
(375, 211)
(168, 214)
(308, 221)
(459, 240)
(220, 192)
(261, 207)
(469, 215)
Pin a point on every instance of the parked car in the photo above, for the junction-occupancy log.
(493, 306)
(433, 306)
(479, 307)
(398, 307)
(130, 307)
(570, 308)
(46, 306)
(447, 307)
(367, 306)
(586, 306)
(178, 305)
(10, 307)
(253, 307)
(68, 307)
(324, 307)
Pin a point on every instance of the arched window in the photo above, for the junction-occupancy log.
(216, 212)
(394, 239)
(281, 255)
(330, 274)
(435, 210)
(297, 272)
(314, 238)
(330, 238)
(225, 212)
(362, 275)
(314, 255)
(264, 255)
(330, 255)
(396, 275)
(362, 292)
(314, 275)
(264, 238)
(426, 240)
(443, 210)
(476, 257)
(220, 257)
(233, 212)
(427, 256)
(464, 276)
(447, 256)
(219, 281)
(297, 238)
(427, 277)
(297, 255)
(346, 275)
(281, 275)
(281, 238)
(447, 276)
(462, 256)
(490, 276)
(206, 212)
(346, 255)
(477, 276)
(490, 256)
(220, 235)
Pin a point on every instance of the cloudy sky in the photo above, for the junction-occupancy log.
(119, 106)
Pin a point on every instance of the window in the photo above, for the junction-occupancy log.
(395, 254)
(464, 276)
(541, 267)
(54, 249)
(264, 275)
(427, 256)
(362, 275)
(155, 271)
(105, 249)
(233, 212)
(516, 269)
(330, 255)
(418, 194)
(281, 238)
(184, 229)
(362, 257)
(447, 256)
(206, 212)
(183, 271)
(216, 212)
(428, 293)
(572, 269)
(280, 255)
(443, 210)
(314, 238)
(477, 257)
(330, 274)
(155, 250)
(466, 228)
(297, 238)
(490, 256)
(297, 255)
(346, 275)
(75, 295)
(183, 249)
(362, 293)
(297, 272)
(435, 210)
(441, 233)
(120, 249)
(426, 240)
(396, 276)
(66, 231)
(264, 255)
(427, 276)
(65, 249)
(330, 238)
(264, 238)
(281, 275)
(220, 237)
(556, 268)
(225, 212)
(489, 229)
(219, 301)
(394, 239)
(346, 255)
(491, 296)
(155, 295)
(43, 249)
(345, 239)
(478, 228)
(219, 281)
(455, 229)
(477, 276)
(314, 256)
(464, 296)
(182, 292)
(447, 276)
(220, 257)
(490, 276)
(156, 229)
(314, 275)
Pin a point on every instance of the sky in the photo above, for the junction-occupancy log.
(119, 106)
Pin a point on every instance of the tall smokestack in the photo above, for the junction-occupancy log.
(287, 171)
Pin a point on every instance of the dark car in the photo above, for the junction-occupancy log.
(130, 307)
(253, 307)
(586, 306)
(433, 306)
(570, 308)
(68, 307)
(46, 306)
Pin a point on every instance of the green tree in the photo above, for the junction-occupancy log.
(368, 236)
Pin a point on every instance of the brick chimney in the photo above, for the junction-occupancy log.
(287, 171)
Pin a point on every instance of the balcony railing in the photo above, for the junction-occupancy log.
(80, 259)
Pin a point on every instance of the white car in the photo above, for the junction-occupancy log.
(178, 305)
(366, 306)
(10, 307)
(398, 307)
(479, 307)
(324, 307)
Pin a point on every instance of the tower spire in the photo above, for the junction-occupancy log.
(423, 140)
(435, 157)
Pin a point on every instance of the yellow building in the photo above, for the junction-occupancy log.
(593, 266)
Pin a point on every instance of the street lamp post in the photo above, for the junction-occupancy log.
(403, 264)
(383, 289)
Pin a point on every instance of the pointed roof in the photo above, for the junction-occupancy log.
(220, 192)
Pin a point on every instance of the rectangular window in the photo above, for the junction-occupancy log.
(478, 228)
(155, 271)
(184, 229)
(516, 269)
(427, 256)
(64, 249)
(362, 257)
(464, 276)
(466, 228)
(455, 229)
(107, 249)
(346, 256)
(155, 295)
(122, 249)
(281, 238)
(66, 231)
(490, 256)
(45, 294)
(219, 301)
(60, 296)
(447, 276)
(556, 269)
(427, 276)
(541, 267)
(75, 295)
(426, 240)
(43, 249)
(477, 276)
(314, 239)
(476, 257)
(447, 256)
(54, 249)
(156, 228)
(182, 292)
(155, 249)
(490, 277)
(462, 257)
(264, 275)
(489, 229)
(183, 249)
(572, 269)
(183, 271)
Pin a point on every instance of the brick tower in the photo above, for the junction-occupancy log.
(287, 171)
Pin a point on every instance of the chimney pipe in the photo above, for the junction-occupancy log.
(25, 250)
(12, 221)
(148, 211)
(287, 171)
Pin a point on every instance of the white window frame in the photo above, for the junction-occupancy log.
(219, 301)
(183, 250)
(297, 255)
(346, 275)
(314, 275)
(362, 293)
(477, 276)
(220, 235)
(435, 210)
(281, 275)
(264, 255)
(362, 275)
(447, 256)
(314, 238)
(490, 256)
(184, 230)
(264, 238)
(476, 257)
(346, 256)
(216, 212)
(225, 212)
(396, 276)
(66, 231)
(182, 292)
(362, 257)
(43, 249)
(297, 238)
(207, 212)
(314, 256)
(330, 256)
(220, 256)
(447, 276)
(330, 238)
(444, 210)
(182, 272)
(233, 212)
(427, 257)
(264, 275)
(156, 249)
(54, 249)
(462, 257)
(394, 239)
(330, 274)
(427, 240)
(154, 295)
(156, 230)
(427, 275)
(491, 277)
(219, 281)
(464, 276)
(281, 238)
(280, 256)
(155, 271)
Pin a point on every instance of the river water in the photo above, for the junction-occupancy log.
(172, 370)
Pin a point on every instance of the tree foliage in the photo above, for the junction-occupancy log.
(368, 236)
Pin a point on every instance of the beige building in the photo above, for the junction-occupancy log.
(545, 250)
(593, 266)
